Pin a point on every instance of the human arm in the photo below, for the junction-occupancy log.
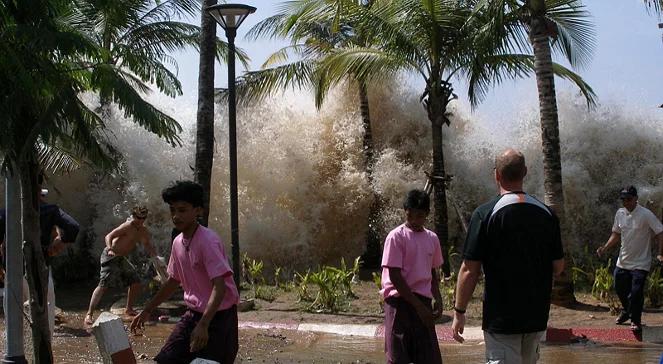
(163, 294)
(468, 276)
(404, 291)
(614, 240)
(57, 246)
(435, 290)
(116, 233)
(558, 267)
(199, 336)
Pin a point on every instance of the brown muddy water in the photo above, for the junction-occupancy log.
(74, 345)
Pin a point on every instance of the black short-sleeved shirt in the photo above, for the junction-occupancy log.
(516, 238)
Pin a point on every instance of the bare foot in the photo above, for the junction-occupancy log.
(130, 312)
(89, 320)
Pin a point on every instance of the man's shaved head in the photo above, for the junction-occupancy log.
(510, 164)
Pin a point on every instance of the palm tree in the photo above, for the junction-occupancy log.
(137, 37)
(50, 53)
(655, 5)
(205, 115)
(550, 25)
(440, 40)
(316, 28)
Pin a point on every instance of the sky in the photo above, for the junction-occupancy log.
(626, 67)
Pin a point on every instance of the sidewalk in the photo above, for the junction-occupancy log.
(615, 334)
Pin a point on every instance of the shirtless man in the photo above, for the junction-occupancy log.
(116, 271)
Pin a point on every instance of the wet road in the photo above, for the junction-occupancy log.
(73, 345)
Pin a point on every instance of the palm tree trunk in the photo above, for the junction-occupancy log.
(372, 255)
(552, 161)
(35, 266)
(205, 116)
(438, 97)
(441, 218)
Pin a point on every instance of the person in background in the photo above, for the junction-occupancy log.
(57, 230)
(633, 229)
(116, 271)
(410, 280)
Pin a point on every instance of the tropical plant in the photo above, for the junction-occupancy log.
(440, 40)
(560, 26)
(602, 289)
(49, 53)
(654, 287)
(205, 114)
(329, 282)
(377, 280)
(654, 5)
(137, 37)
(302, 282)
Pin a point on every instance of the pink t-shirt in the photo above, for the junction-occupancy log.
(416, 253)
(194, 263)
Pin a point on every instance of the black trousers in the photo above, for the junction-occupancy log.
(630, 287)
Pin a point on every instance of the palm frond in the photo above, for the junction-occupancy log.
(364, 64)
(257, 85)
(112, 85)
(576, 36)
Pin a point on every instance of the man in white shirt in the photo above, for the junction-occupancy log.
(634, 228)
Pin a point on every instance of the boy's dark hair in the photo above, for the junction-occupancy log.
(187, 191)
(417, 199)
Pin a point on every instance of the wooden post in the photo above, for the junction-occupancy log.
(113, 340)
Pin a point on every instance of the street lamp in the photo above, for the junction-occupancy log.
(230, 17)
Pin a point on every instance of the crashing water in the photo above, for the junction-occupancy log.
(304, 197)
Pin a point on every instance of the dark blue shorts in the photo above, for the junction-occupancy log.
(222, 345)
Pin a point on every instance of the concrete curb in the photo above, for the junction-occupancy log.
(652, 334)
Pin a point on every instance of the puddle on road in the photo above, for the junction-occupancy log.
(71, 345)
(337, 349)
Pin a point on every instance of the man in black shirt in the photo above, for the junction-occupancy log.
(516, 240)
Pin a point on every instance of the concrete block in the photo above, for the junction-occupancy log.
(112, 340)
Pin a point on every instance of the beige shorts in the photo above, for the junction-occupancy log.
(512, 349)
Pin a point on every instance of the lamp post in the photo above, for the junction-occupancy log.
(230, 17)
(13, 294)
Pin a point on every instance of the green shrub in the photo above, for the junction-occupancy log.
(654, 287)
(603, 290)
(377, 279)
(302, 283)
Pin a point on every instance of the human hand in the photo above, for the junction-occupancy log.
(426, 315)
(138, 322)
(600, 251)
(199, 337)
(56, 247)
(458, 326)
(437, 308)
(659, 259)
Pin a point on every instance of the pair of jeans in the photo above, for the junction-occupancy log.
(630, 287)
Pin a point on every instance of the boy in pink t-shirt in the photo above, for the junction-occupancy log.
(410, 281)
(208, 329)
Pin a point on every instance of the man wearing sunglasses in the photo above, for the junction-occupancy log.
(634, 228)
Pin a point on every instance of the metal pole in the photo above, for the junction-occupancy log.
(13, 297)
(232, 155)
